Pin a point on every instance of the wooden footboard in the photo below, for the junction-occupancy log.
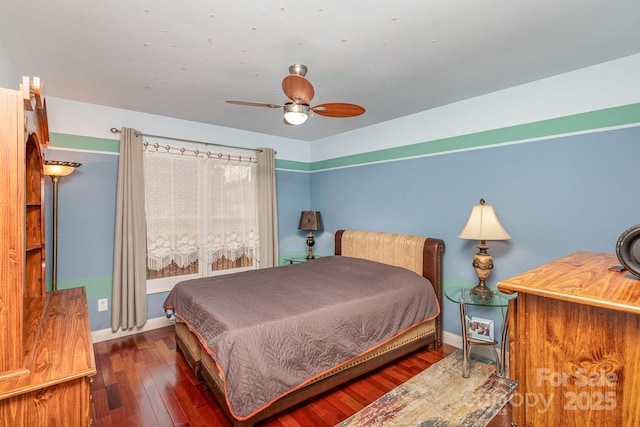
(419, 254)
(412, 340)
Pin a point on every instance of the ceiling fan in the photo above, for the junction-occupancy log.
(300, 92)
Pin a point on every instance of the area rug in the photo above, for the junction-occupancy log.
(440, 397)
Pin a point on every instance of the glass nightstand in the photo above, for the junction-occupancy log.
(461, 297)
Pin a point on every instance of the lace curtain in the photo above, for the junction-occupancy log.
(199, 207)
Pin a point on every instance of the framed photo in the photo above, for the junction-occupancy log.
(480, 329)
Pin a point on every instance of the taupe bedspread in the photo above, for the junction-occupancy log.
(273, 330)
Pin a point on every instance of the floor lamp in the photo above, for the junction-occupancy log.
(55, 170)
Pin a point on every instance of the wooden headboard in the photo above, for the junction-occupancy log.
(420, 254)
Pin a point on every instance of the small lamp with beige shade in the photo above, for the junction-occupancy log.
(483, 225)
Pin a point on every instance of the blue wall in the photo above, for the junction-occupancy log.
(554, 196)
(86, 224)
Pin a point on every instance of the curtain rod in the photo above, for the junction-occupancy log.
(116, 130)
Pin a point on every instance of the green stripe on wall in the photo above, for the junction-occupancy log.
(292, 165)
(617, 116)
(96, 287)
(76, 142)
(600, 119)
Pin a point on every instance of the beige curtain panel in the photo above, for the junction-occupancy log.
(129, 294)
(267, 208)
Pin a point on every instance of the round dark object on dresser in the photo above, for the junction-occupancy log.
(628, 249)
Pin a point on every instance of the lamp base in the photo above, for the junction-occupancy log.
(480, 294)
(310, 242)
(482, 264)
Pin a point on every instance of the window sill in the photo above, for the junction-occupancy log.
(158, 286)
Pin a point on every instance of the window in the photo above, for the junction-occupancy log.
(201, 215)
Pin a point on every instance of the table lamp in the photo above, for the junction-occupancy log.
(483, 225)
(310, 221)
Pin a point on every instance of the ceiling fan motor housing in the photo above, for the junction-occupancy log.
(298, 69)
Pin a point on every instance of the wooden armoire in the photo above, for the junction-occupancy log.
(46, 353)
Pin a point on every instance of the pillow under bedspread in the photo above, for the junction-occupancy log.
(271, 331)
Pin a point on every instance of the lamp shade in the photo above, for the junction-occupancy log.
(310, 220)
(483, 224)
(59, 168)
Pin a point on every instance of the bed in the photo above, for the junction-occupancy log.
(256, 370)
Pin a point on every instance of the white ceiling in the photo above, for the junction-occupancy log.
(183, 59)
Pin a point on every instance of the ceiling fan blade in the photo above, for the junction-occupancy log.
(338, 109)
(298, 89)
(254, 104)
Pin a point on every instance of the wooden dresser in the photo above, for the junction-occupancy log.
(575, 343)
(46, 353)
(55, 389)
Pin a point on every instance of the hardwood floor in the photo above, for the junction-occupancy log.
(142, 381)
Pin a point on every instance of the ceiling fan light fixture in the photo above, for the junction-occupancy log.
(296, 114)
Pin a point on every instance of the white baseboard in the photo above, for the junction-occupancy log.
(108, 334)
(452, 339)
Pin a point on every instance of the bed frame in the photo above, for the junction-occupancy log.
(419, 254)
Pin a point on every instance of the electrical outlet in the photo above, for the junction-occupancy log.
(103, 304)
